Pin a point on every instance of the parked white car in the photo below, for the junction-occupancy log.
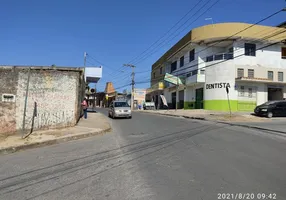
(119, 109)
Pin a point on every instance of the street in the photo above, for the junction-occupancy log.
(150, 157)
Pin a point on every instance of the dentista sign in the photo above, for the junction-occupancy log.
(217, 85)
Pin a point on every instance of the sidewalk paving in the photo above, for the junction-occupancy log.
(210, 115)
(95, 124)
(242, 119)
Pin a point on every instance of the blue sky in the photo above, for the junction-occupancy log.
(113, 32)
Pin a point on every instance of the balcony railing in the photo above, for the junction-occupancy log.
(221, 56)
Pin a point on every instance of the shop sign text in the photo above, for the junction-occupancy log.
(217, 85)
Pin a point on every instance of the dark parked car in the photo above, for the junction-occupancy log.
(271, 109)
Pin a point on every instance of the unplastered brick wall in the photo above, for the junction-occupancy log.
(8, 89)
(55, 93)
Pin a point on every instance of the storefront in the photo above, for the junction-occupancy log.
(153, 94)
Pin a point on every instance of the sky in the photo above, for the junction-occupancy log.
(112, 32)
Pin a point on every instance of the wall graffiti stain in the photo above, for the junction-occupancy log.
(51, 119)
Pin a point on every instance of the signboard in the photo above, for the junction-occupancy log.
(158, 86)
(139, 94)
(217, 85)
(161, 85)
(173, 79)
(8, 97)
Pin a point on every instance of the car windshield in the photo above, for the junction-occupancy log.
(121, 104)
(269, 103)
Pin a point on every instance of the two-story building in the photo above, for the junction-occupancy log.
(249, 59)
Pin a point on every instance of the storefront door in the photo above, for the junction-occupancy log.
(174, 96)
(199, 98)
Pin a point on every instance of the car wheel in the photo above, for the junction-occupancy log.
(130, 117)
(269, 114)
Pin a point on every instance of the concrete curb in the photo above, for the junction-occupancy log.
(254, 127)
(171, 115)
(222, 122)
(53, 141)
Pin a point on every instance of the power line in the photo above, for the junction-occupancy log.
(223, 39)
(168, 41)
(221, 61)
(266, 37)
(166, 33)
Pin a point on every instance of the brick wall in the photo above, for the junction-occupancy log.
(8, 83)
(56, 92)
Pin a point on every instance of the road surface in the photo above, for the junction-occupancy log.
(151, 157)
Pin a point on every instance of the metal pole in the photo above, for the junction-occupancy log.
(132, 95)
(229, 105)
(177, 88)
(84, 59)
(25, 104)
(133, 83)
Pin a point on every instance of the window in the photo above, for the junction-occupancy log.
(249, 49)
(195, 72)
(154, 75)
(250, 92)
(281, 105)
(280, 76)
(270, 75)
(241, 92)
(283, 52)
(161, 70)
(173, 66)
(250, 73)
(192, 55)
(240, 72)
(121, 104)
(202, 71)
(182, 61)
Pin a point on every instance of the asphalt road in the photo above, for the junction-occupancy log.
(151, 157)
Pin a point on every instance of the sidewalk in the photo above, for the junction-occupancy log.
(95, 124)
(243, 119)
(209, 115)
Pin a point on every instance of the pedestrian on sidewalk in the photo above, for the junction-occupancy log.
(84, 107)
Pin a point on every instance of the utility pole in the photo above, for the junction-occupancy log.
(84, 58)
(133, 83)
(177, 94)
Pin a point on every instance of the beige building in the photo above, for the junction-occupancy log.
(250, 59)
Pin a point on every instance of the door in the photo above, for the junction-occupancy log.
(181, 99)
(199, 98)
(174, 100)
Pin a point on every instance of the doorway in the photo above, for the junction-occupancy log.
(275, 94)
(181, 99)
(199, 98)
(174, 96)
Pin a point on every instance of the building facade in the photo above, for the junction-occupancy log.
(248, 59)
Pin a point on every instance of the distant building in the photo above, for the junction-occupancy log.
(252, 62)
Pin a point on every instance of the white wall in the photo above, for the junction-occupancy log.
(269, 57)
(205, 51)
(222, 73)
(56, 94)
